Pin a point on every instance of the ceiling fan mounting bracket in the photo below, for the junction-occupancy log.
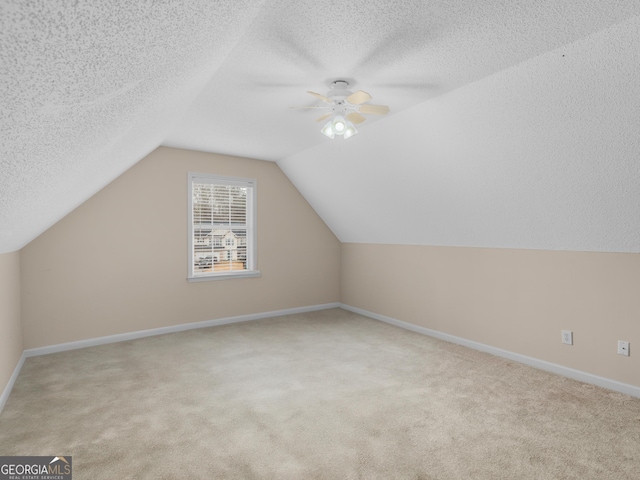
(340, 84)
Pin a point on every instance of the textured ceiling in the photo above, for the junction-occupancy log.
(494, 137)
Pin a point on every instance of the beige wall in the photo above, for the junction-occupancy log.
(516, 300)
(118, 263)
(10, 328)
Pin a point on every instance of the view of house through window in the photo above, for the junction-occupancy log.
(222, 227)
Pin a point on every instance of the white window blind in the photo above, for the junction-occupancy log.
(222, 227)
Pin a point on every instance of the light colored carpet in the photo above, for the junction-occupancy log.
(322, 395)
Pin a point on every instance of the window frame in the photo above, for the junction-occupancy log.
(251, 224)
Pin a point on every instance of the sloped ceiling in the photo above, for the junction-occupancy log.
(513, 123)
(542, 155)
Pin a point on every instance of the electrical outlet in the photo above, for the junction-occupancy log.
(623, 348)
(567, 337)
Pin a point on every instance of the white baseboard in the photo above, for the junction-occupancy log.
(532, 362)
(12, 380)
(122, 337)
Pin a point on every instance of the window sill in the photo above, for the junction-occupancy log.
(225, 276)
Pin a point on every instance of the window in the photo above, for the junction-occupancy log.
(221, 212)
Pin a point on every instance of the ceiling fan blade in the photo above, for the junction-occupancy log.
(358, 97)
(374, 109)
(355, 117)
(321, 97)
(323, 117)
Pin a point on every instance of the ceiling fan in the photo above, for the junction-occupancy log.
(346, 109)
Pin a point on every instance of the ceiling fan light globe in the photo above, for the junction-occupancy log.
(350, 131)
(328, 129)
(339, 125)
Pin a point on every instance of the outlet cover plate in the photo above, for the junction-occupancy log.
(567, 337)
(623, 348)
